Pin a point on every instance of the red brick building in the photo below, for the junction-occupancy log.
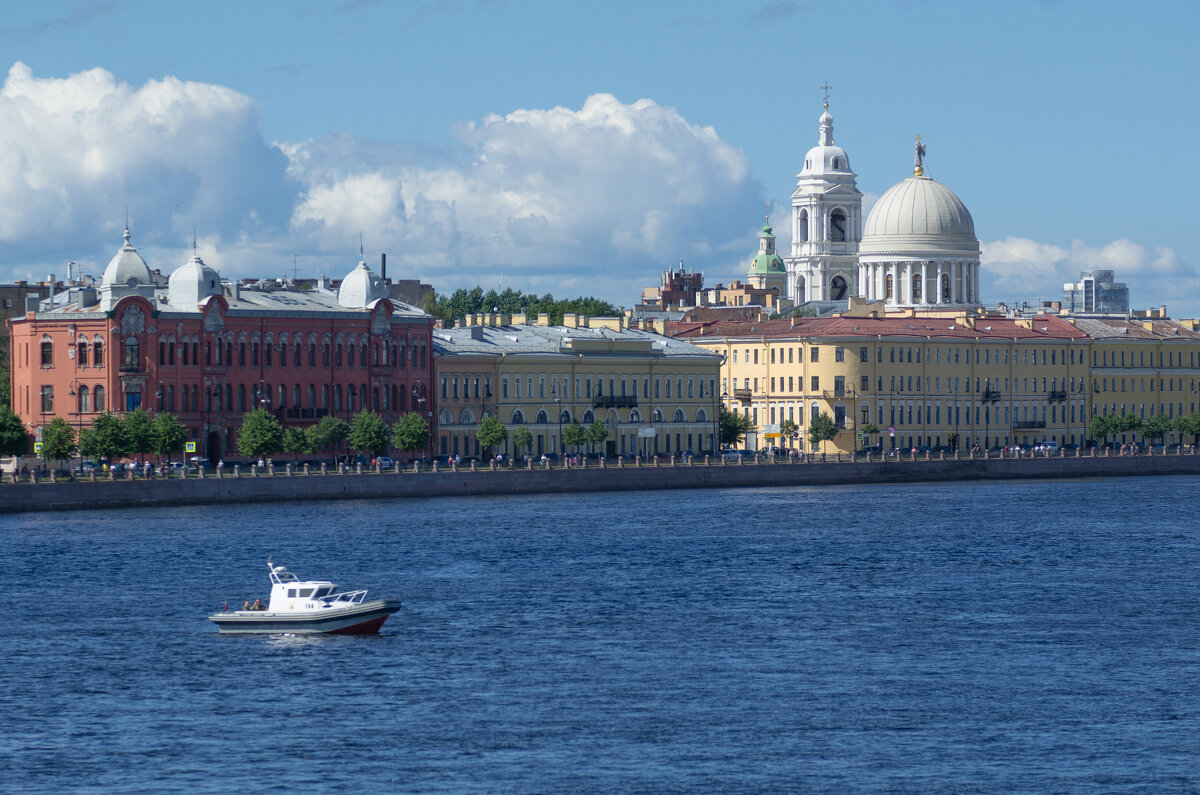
(208, 351)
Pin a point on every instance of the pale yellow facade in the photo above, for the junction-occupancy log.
(926, 380)
(654, 393)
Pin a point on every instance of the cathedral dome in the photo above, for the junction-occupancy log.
(921, 218)
(191, 283)
(361, 287)
(127, 268)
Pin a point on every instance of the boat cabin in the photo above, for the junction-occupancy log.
(289, 593)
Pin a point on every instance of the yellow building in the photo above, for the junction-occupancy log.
(929, 379)
(655, 394)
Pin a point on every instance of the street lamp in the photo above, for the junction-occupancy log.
(419, 400)
(558, 410)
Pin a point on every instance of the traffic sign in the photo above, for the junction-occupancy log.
(891, 431)
(37, 447)
(189, 447)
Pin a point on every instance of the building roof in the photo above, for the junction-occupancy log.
(516, 340)
(1039, 328)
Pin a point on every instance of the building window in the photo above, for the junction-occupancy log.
(864, 354)
(839, 354)
(98, 398)
(131, 354)
(816, 383)
(814, 354)
(47, 353)
(48, 400)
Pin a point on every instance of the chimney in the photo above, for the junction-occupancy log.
(383, 265)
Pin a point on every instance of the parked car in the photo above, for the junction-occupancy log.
(385, 462)
(86, 467)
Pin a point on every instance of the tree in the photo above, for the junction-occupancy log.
(296, 440)
(1129, 423)
(410, 432)
(1189, 424)
(167, 435)
(138, 429)
(106, 439)
(1157, 426)
(368, 433)
(491, 433)
(5, 384)
(821, 429)
(14, 440)
(575, 434)
(58, 440)
(871, 429)
(328, 432)
(260, 436)
(788, 429)
(523, 438)
(597, 432)
(734, 426)
(1101, 426)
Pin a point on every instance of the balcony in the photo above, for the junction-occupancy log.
(742, 395)
(844, 392)
(1024, 424)
(614, 401)
(1058, 395)
(130, 367)
(991, 396)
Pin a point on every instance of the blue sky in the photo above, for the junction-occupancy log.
(582, 148)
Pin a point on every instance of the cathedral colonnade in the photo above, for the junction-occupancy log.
(912, 283)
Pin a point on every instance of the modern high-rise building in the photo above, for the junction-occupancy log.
(1096, 293)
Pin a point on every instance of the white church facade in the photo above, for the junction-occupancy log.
(916, 249)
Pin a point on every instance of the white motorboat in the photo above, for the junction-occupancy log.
(307, 607)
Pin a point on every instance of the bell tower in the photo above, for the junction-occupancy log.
(826, 222)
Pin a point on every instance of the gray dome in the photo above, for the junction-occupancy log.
(191, 283)
(127, 268)
(916, 217)
(361, 287)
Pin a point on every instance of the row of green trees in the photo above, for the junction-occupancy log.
(262, 435)
(492, 433)
(734, 427)
(1102, 426)
(109, 436)
(461, 303)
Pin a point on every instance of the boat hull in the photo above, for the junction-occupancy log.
(362, 619)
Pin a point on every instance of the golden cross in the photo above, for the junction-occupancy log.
(826, 88)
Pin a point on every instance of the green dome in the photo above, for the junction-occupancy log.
(765, 264)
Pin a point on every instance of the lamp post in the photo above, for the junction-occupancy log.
(558, 410)
(419, 400)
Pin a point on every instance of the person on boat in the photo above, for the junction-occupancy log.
(246, 605)
(258, 605)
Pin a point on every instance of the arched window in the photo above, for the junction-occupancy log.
(47, 352)
(916, 288)
(588, 417)
(296, 395)
(800, 296)
(445, 417)
(517, 418)
(312, 396)
(634, 416)
(85, 399)
(657, 416)
(678, 416)
(887, 287)
(98, 396)
(837, 226)
(837, 288)
(836, 163)
(97, 353)
(542, 418)
(803, 226)
(81, 353)
(701, 416)
(946, 288)
(565, 417)
(465, 417)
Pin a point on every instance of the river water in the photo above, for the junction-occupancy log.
(1027, 636)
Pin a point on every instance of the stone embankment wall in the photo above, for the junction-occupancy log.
(228, 489)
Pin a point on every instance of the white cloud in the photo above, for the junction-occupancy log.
(597, 200)
(1019, 269)
(75, 153)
